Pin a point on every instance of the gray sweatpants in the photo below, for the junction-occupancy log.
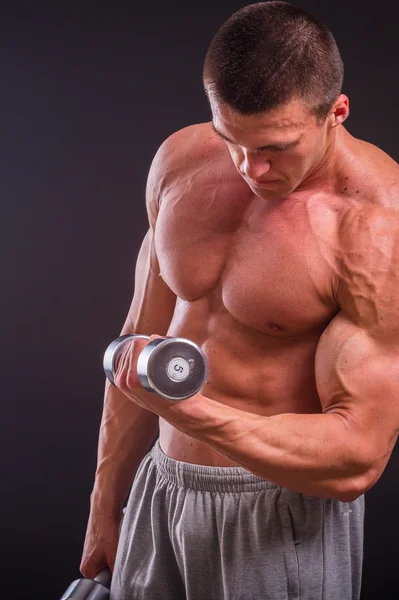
(213, 533)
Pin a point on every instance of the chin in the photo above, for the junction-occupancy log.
(271, 194)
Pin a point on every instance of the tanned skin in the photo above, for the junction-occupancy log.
(274, 244)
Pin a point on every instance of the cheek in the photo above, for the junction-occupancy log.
(300, 161)
(234, 153)
(291, 165)
(236, 157)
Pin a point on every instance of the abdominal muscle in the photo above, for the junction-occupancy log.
(248, 370)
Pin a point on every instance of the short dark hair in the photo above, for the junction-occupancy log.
(267, 53)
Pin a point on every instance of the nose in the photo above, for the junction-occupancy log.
(254, 165)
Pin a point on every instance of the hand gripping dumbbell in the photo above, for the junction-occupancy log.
(175, 368)
(90, 589)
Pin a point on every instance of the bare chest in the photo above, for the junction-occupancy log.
(267, 268)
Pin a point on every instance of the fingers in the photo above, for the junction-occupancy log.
(90, 569)
(126, 378)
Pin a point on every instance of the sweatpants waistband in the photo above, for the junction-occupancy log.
(206, 478)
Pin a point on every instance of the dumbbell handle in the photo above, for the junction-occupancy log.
(113, 352)
(104, 577)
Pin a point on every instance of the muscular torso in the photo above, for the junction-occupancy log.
(255, 281)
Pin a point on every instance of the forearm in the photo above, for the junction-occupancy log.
(314, 454)
(126, 433)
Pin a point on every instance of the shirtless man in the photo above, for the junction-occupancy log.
(274, 245)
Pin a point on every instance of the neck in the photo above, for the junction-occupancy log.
(323, 175)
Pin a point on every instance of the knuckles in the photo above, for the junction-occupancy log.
(125, 376)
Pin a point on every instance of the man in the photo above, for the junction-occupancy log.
(273, 244)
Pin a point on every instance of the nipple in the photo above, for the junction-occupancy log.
(274, 326)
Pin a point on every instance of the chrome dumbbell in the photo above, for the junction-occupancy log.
(95, 589)
(175, 368)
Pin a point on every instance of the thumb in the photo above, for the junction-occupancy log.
(155, 336)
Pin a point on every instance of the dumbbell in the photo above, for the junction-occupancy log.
(175, 368)
(90, 589)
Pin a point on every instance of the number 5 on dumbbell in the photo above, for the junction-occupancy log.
(175, 368)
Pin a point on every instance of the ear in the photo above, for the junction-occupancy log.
(340, 110)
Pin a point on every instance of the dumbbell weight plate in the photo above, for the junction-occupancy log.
(113, 352)
(175, 368)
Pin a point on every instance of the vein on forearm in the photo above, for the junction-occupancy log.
(312, 451)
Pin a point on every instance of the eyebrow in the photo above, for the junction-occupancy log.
(276, 146)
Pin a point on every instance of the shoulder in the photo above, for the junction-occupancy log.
(368, 231)
(191, 164)
(186, 147)
(194, 151)
(375, 173)
(369, 265)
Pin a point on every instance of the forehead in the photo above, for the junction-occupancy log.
(292, 117)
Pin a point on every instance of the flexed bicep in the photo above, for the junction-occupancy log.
(357, 377)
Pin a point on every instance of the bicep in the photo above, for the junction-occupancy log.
(357, 377)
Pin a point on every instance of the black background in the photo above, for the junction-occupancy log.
(88, 93)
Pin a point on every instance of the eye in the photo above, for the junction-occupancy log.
(277, 148)
(280, 147)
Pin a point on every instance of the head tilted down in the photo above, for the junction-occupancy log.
(273, 75)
